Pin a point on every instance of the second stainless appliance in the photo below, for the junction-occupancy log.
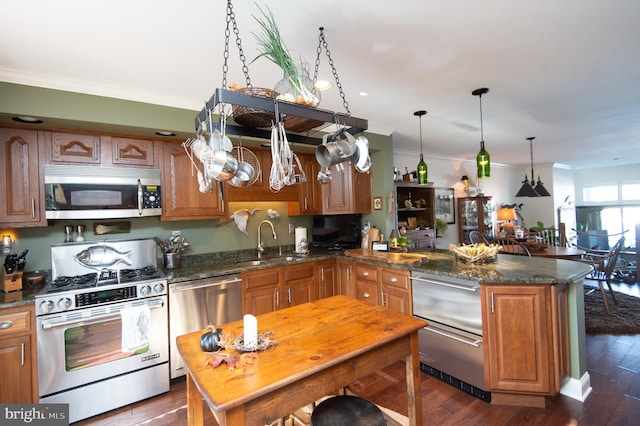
(102, 327)
(451, 346)
(193, 305)
(82, 192)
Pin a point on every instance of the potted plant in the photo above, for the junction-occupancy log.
(441, 227)
(419, 202)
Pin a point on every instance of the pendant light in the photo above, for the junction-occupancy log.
(527, 189)
(483, 160)
(422, 166)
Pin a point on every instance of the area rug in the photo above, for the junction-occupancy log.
(623, 318)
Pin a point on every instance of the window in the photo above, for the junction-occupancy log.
(599, 194)
(631, 192)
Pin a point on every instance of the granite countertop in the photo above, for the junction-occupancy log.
(506, 268)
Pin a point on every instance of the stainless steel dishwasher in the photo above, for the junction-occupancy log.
(193, 305)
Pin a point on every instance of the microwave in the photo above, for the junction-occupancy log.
(82, 192)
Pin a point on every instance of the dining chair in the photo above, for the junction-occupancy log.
(549, 236)
(604, 266)
(477, 237)
(511, 246)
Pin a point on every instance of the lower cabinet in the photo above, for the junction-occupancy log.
(267, 290)
(345, 276)
(525, 330)
(381, 286)
(327, 280)
(18, 366)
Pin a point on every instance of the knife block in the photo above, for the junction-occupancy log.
(10, 282)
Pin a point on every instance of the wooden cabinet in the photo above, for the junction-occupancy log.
(395, 287)
(261, 291)
(381, 286)
(345, 276)
(267, 290)
(107, 151)
(416, 213)
(347, 192)
(260, 190)
(309, 192)
(181, 198)
(327, 280)
(475, 214)
(18, 366)
(526, 341)
(300, 284)
(22, 186)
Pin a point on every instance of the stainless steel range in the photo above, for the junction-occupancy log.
(102, 326)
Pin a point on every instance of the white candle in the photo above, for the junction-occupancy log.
(250, 331)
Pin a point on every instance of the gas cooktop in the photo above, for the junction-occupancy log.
(102, 278)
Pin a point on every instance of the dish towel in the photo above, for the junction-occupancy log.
(135, 327)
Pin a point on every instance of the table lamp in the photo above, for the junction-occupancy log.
(506, 215)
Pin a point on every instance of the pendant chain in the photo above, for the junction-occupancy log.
(323, 43)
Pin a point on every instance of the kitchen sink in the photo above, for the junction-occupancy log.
(253, 262)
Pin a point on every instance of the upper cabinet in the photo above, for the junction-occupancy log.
(181, 198)
(68, 148)
(23, 182)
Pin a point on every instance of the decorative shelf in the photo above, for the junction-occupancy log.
(353, 125)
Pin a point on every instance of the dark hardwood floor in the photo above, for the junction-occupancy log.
(613, 363)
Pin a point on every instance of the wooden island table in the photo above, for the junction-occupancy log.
(322, 346)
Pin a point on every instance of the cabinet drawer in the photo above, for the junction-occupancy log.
(261, 278)
(15, 322)
(395, 278)
(367, 273)
(299, 272)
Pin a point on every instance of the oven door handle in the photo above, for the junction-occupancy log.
(471, 342)
(176, 288)
(473, 289)
(46, 325)
(140, 197)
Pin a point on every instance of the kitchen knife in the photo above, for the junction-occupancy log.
(10, 263)
(22, 260)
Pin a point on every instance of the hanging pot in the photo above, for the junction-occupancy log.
(338, 151)
(244, 174)
(223, 166)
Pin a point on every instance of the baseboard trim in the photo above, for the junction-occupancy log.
(577, 389)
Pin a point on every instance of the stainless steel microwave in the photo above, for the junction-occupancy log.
(83, 192)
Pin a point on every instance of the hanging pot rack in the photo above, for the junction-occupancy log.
(223, 96)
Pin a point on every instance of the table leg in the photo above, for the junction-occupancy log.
(412, 365)
(195, 416)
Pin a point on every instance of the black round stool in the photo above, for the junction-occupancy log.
(347, 410)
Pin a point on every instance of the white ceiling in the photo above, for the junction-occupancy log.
(566, 72)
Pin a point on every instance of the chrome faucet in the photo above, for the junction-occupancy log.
(260, 245)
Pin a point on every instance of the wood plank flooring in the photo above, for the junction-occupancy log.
(613, 363)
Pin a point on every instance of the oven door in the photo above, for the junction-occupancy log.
(89, 345)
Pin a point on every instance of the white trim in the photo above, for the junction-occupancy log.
(577, 389)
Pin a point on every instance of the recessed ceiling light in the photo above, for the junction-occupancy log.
(364, 94)
(322, 85)
(164, 133)
(27, 119)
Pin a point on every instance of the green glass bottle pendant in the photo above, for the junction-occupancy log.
(422, 171)
(483, 161)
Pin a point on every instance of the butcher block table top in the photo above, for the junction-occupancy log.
(322, 346)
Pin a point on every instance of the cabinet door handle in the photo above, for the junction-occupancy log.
(6, 324)
(21, 353)
(277, 298)
(393, 280)
(365, 274)
(322, 274)
(33, 208)
(349, 274)
(365, 295)
(384, 303)
(492, 306)
(289, 295)
(305, 204)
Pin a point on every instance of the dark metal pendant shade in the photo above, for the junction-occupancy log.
(540, 189)
(528, 189)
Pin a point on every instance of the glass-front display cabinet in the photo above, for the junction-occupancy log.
(476, 214)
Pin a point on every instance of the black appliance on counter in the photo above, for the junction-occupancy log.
(342, 231)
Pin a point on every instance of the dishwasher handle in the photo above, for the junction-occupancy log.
(473, 289)
(176, 288)
(471, 342)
